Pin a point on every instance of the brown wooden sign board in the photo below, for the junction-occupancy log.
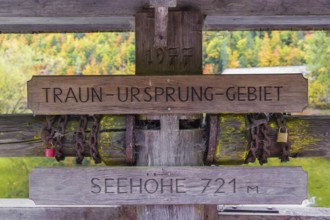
(167, 94)
(168, 185)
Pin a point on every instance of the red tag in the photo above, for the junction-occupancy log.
(50, 152)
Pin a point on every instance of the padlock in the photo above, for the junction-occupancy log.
(50, 152)
(282, 137)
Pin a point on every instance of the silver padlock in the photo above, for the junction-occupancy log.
(282, 137)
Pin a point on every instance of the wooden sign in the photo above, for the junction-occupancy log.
(168, 185)
(167, 94)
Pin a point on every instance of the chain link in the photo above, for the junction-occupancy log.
(80, 139)
(59, 137)
(259, 141)
(285, 147)
(48, 132)
(93, 144)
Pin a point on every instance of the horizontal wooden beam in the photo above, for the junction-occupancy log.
(20, 136)
(25, 209)
(22, 16)
(125, 24)
(284, 213)
(92, 8)
(217, 23)
(309, 137)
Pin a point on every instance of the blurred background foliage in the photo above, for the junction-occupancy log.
(22, 56)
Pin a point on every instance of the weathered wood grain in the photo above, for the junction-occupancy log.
(170, 146)
(182, 54)
(20, 136)
(309, 137)
(91, 8)
(310, 22)
(55, 213)
(119, 24)
(285, 213)
(167, 94)
(168, 185)
(21, 16)
(17, 209)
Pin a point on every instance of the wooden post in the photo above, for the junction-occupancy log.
(170, 146)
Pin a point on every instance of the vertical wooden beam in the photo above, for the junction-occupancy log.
(183, 53)
(170, 146)
(161, 19)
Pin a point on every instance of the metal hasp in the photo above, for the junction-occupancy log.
(161, 20)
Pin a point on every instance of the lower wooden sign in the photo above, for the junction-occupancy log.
(168, 185)
(167, 94)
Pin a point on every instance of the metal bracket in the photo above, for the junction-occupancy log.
(245, 209)
(129, 140)
(161, 19)
(213, 126)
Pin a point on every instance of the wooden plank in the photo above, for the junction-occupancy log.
(20, 136)
(309, 137)
(278, 22)
(91, 8)
(119, 24)
(183, 53)
(20, 16)
(55, 213)
(168, 185)
(284, 213)
(170, 146)
(167, 94)
(12, 209)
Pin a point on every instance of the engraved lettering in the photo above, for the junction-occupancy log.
(240, 93)
(233, 181)
(71, 95)
(46, 90)
(119, 95)
(168, 185)
(266, 93)
(119, 185)
(195, 93)
(148, 186)
(222, 182)
(207, 184)
(139, 186)
(134, 93)
(278, 91)
(95, 94)
(159, 91)
(230, 94)
(106, 185)
(252, 93)
(57, 92)
(254, 189)
(95, 185)
(169, 92)
(208, 95)
(178, 185)
(146, 92)
(87, 95)
(180, 94)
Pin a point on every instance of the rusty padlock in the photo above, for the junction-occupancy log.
(282, 137)
(50, 152)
